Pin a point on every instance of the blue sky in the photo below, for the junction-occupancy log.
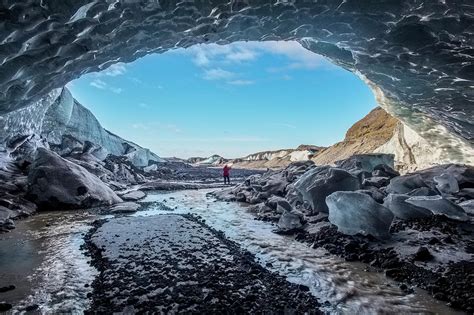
(231, 100)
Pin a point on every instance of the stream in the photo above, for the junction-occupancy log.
(43, 259)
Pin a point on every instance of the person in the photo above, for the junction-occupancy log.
(226, 174)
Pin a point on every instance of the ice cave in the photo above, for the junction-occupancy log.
(412, 194)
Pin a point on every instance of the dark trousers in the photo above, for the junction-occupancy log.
(227, 180)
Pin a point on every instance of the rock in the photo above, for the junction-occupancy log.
(124, 207)
(133, 195)
(290, 221)
(384, 170)
(423, 191)
(468, 206)
(403, 210)
(422, 254)
(376, 181)
(4, 307)
(7, 288)
(55, 183)
(272, 202)
(439, 206)
(467, 193)
(151, 168)
(355, 212)
(315, 187)
(373, 192)
(446, 184)
(405, 184)
(365, 162)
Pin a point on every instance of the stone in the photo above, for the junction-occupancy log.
(405, 184)
(290, 221)
(439, 206)
(55, 183)
(446, 184)
(403, 210)
(422, 191)
(316, 186)
(366, 162)
(124, 208)
(357, 213)
(376, 181)
(468, 206)
(133, 195)
(384, 170)
(283, 206)
(373, 192)
(422, 254)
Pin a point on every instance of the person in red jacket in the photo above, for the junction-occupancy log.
(226, 174)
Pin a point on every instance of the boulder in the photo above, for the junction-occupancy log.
(384, 170)
(133, 195)
(423, 191)
(376, 181)
(290, 221)
(405, 184)
(373, 192)
(355, 212)
(124, 207)
(366, 162)
(468, 206)
(403, 210)
(56, 183)
(446, 184)
(439, 206)
(316, 186)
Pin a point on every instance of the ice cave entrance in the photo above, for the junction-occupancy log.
(232, 100)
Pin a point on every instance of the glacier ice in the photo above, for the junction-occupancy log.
(404, 210)
(357, 213)
(440, 206)
(416, 58)
(315, 185)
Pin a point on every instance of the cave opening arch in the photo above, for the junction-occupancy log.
(416, 56)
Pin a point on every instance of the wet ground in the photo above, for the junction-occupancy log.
(43, 259)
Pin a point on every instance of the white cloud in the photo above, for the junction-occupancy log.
(242, 54)
(241, 82)
(114, 70)
(99, 84)
(218, 74)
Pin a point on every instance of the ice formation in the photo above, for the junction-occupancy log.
(416, 55)
(355, 212)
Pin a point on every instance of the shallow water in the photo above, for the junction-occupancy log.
(42, 258)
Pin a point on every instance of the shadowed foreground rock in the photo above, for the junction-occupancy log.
(56, 183)
(171, 264)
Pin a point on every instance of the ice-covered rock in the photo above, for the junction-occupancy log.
(56, 183)
(133, 195)
(468, 206)
(383, 170)
(290, 221)
(366, 162)
(439, 206)
(317, 184)
(404, 210)
(124, 208)
(446, 184)
(357, 213)
(405, 184)
(376, 181)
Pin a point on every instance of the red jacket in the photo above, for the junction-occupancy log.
(226, 171)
